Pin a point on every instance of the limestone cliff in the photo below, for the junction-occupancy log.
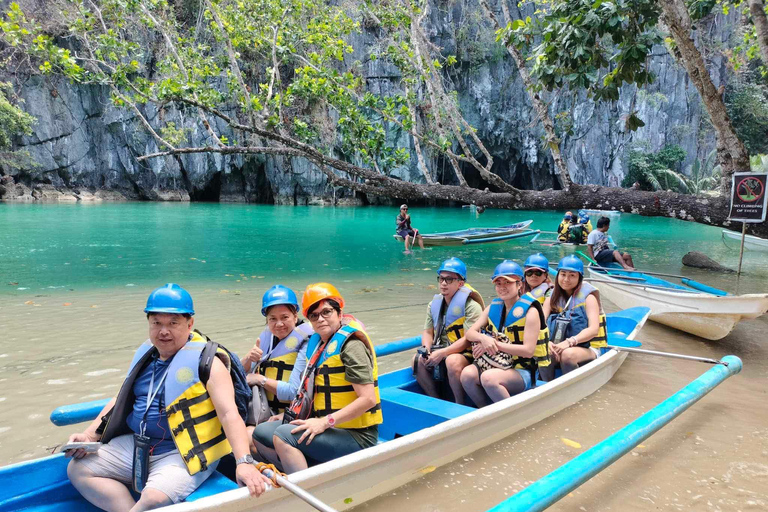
(86, 149)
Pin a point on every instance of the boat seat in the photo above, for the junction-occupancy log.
(215, 484)
(407, 411)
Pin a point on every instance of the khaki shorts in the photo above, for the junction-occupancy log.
(167, 472)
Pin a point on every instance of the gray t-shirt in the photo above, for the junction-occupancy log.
(598, 240)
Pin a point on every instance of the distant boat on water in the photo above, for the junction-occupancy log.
(477, 235)
(751, 243)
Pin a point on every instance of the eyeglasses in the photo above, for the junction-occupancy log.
(325, 313)
(446, 280)
(502, 282)
(534, 272)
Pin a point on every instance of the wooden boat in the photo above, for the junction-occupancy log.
(568, 246)
(751, 243)
(419, 433)
(696, 309)
(476, 235)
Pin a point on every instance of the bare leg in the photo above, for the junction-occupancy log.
(501, 384)
(420, 239)
(292, 458)
(470, 381)
(407, 239)
(424, 378)
(620, 260)
(266, 453)
(105, 493)
(455, 363)
(150, 499)
(570, 358)
(251, 442)
(628, 259)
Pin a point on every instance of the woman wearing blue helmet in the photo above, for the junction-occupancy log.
(575, 317)
(278, 358)
(537, 281)
(509, 341)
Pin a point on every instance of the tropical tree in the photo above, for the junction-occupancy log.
(13, 122)
(703, 174)
(278, 80)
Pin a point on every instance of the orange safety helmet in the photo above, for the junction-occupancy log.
(317, 292)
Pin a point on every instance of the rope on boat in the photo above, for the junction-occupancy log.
(270, 468)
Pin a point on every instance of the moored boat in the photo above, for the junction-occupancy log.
(419, 433)
(696, 309)
(751, 243)
(604, 213)
(475, 235)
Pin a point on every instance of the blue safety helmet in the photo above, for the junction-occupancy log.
(277, 295)
(454, 265)
(537, 260)
(567, 217)
(170, 298)
(583, 213)
(507, 268)
(571, 263)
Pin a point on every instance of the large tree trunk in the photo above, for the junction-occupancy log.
(732, 154)
(760, 20)
(553, 142)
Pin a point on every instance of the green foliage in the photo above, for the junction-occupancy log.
(655, 171)
(13, 122)
(594, 45)
(759, 163)
(703, 175)
(747, 105)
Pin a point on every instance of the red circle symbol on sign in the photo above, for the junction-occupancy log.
(750, 190)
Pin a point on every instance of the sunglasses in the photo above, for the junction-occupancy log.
(533, 272)
(325, 313)
(446, 280)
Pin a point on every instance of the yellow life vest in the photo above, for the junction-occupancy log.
(195, 427)
(562, 231)
(512, 324)
(282, 358)
(452, 316)
(333, 391)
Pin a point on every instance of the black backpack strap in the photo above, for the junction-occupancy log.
(206, 361)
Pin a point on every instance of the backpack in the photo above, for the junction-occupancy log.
(243, 393)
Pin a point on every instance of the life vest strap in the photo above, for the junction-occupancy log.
(185, 404)
(199, 450)
(187, 423)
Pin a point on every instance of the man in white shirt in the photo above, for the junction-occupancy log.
(599, 247)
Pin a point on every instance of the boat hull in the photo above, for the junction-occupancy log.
(751, 243)
(701, 314)
(460, 237)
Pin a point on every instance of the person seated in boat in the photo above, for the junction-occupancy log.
(147, 427)
(586, 224)
(445, 351)
(575, 317)
(337, 410)
(563, 229)
(509, 341)
(405, 230)
(277, 360)
(537, 282)
(599, 247)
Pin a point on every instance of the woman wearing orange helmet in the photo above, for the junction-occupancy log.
(337, 410)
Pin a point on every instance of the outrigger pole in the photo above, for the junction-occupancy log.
(554, 486)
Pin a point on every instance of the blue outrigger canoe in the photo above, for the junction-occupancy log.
(419, 433)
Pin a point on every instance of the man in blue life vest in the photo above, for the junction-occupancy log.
(445, 351)
(168, 427)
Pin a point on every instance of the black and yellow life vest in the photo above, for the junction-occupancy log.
(562, 231)
(512, 324)
(333, 391)
(195, 427)
(449, 319)
(281, 359)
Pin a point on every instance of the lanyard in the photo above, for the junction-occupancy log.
(151, 395)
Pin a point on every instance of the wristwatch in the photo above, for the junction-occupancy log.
(331, 420)
(245, 459)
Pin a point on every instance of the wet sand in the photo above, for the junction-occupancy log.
(714, 457)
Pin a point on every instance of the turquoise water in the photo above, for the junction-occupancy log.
(80, 247)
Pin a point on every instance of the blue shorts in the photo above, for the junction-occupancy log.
(331, 444)
(406, 232)
(526, 376)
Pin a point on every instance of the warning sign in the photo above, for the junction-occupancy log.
(748, 197)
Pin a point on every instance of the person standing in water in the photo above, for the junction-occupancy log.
(405, 230)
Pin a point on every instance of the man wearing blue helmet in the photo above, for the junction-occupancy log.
(563, 229)
(586, 225)
(445, 351)
(166, 406)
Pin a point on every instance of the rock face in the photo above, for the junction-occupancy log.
(84, 146)
(701, 260)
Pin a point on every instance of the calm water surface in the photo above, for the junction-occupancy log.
(74, 278)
